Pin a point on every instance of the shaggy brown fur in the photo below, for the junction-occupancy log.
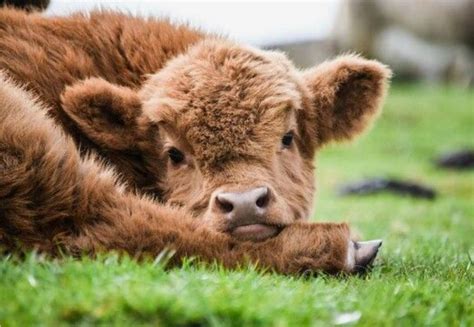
(224, 107)
(52, 199)
(46, 54)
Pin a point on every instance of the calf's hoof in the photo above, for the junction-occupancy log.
(361, 255)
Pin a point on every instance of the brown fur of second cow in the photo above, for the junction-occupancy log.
(221, 135)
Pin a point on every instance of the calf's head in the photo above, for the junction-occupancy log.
(239, 128)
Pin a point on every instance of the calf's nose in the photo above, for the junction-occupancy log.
(243, 207)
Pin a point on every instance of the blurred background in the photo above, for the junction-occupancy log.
(427, 40)
(421, 40)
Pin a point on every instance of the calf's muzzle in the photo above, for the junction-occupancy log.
(245, 213)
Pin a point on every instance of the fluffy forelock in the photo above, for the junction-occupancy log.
(224, 99)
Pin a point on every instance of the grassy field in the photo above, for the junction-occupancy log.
(424, 275)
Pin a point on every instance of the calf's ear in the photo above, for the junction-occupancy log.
(107, 114)
(346, 95)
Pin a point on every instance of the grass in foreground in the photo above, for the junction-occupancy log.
(424, 275)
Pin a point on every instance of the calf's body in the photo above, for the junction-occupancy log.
(222, 135)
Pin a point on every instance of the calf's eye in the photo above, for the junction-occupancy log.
(175, 155)
(287, 139)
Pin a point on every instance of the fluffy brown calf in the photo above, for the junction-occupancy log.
(226, 132)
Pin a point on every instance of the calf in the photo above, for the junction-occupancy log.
(222, 134)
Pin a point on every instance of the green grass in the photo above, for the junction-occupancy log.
(424, 275)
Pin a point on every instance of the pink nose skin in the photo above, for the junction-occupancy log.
(245, 212)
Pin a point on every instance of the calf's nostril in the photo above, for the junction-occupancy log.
(224, 205)
(263, 199)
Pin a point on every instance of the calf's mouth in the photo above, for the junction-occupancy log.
(255, 232)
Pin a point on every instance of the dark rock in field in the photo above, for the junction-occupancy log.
(459, 160)
(378, 185)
